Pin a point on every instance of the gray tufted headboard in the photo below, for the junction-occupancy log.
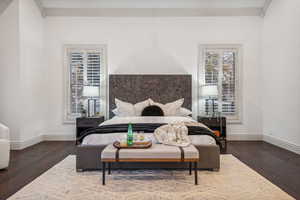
(160, 88)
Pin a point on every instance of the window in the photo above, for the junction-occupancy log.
(220, 65)
(84, 66)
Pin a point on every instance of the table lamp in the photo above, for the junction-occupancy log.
(210, 91)
(90, 92)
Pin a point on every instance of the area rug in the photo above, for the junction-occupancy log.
(234, 181)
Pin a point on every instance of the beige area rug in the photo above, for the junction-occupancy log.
(234, 181)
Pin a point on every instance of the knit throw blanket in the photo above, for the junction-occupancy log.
(175, 134)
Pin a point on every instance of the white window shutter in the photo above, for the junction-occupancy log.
(85, 68)
(228, 98)
(221, 65)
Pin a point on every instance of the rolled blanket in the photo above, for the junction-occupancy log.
(173, 134)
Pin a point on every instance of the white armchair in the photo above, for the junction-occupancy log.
(4, 146)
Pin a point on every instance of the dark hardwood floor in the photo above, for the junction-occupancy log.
(27, 164)
(279, 166)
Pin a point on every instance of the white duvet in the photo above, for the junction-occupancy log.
(153, 120)
(105, 139)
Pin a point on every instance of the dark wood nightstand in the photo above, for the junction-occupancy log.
(216, 124)
(84, 123)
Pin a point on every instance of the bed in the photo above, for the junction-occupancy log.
(135, 88)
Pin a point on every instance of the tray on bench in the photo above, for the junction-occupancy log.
(137, 145)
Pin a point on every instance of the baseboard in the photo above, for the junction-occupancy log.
(19, 145)
(244, 137)
(59, 137)
(282, 143)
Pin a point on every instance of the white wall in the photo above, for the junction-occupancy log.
(31, 64)
(9, 69)
(32, 70)
(281, 74)
(21, 72)
(154, 45)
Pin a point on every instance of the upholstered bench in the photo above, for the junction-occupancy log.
(157, 153)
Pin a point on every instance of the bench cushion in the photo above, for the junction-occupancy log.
(157, 151)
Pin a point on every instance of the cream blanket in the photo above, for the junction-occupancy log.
(175, 134)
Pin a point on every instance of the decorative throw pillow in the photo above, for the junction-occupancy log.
(126, 109)
(115, 111)
(140, 106)
(183, 112)
(169, 109)
(152, 111)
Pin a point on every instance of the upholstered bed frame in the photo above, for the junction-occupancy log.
(135, 88)
(160, 88)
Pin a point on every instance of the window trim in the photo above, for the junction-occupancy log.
(238, 118)
(66, 79)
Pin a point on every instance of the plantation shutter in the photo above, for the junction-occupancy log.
(94, 72)
(93, 68)
(228, 83)
(76, 80)
(220, 70)
(85, 70)
(212, 65)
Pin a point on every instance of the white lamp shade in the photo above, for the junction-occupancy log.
(209, 91)
(90, 91)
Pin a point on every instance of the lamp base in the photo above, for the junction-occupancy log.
(90, 113)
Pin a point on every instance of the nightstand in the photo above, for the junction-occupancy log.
(84, 123)
(216, 124)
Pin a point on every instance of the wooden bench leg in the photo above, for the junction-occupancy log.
(109, 168)
(103, 173)
(190, 167)
(196, 173)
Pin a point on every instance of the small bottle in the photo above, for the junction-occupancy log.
(129, 135)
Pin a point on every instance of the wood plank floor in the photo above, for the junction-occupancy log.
(279, 166)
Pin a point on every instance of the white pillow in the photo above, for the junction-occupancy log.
(183, 112)
(140, 106)
(115, 111)
(125, 109)
(169, 109)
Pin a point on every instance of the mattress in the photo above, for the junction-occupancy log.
(105, 139)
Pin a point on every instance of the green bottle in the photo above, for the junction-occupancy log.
(129, 135)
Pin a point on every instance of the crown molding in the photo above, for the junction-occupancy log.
(150, 12)
(144, 12)
(4, 4)
(265, 8)
(41, 8)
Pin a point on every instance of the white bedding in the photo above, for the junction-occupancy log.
(105, 139)
(153, 120)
